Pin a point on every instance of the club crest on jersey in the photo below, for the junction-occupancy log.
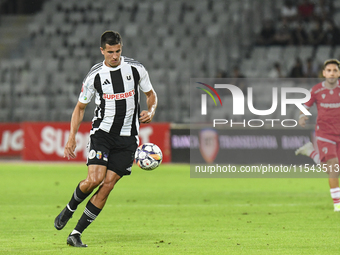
(323, 96)
(128, 77)
(92, 154)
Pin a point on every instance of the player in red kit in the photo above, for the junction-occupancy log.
(326, 96)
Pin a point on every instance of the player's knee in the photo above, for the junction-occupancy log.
(92, 183)
(333, 168)
(108, 186)
(95, 182)
(333, 162)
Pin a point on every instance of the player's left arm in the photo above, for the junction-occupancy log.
(151, 102)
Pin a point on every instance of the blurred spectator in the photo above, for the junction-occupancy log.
(289, 10)
(310, 69)
(299, 35)
(320, 72)
(276, 71)
(332, 34)
(221, 74)
(20, 6)
(297, 71)
(283, 35)
(237, 73)
(306, 10)
(238, 79)
(317, 35)
(267, 33)
(322, 10)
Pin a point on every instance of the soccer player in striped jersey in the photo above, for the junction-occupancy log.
(326, 96)
(115, 84)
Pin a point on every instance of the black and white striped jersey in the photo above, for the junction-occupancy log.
(116, 93)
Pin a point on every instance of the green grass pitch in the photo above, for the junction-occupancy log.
(166, 212)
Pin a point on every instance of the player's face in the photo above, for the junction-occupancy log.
(331, 73)
(112, 54)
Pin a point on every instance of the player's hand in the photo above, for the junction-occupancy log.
(302, 121)
(70, 148)
(145, 117)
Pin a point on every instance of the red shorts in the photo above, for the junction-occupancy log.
(328, 146)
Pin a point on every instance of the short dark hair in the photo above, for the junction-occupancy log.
(331, 61)
(110, 38)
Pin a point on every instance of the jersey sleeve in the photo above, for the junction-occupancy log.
(145, 84)
(87, 91)
(312, 98)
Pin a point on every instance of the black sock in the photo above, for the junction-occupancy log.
(90, 214)
(77, 197)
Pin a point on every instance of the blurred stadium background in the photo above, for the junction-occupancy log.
(48, 46)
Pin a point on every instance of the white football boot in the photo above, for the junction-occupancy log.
(336, 207)
(306, 149)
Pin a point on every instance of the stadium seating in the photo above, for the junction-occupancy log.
(174, 40)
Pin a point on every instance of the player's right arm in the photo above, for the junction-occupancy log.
(86, 94)
(77, 118)
(302, 119)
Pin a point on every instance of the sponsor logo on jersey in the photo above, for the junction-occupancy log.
(119, 96)
(334, 105)
(99, 155)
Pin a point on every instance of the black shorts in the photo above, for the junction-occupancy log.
(115, 152)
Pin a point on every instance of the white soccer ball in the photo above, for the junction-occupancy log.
(148, 156)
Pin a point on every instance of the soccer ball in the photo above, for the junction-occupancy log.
(148, 156)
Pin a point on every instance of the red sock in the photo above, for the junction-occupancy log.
(335, 194)
(315, 156)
